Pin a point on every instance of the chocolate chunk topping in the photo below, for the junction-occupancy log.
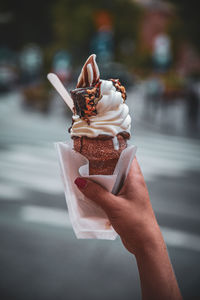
(85, 101)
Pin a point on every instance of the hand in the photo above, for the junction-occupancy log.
(130, 212)
(131, 215)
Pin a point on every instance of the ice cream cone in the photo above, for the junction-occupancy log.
(102, 152)
(101, 123)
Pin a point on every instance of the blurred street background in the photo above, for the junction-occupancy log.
(153, 47)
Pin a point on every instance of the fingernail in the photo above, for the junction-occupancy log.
(80, 182)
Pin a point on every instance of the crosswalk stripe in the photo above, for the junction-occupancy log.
(59, 218)
(155, 147)
(167, 144)
(35, 165)
(45, 159)
(11, 192)
(47, 184)
(45, 215)
(23, 160)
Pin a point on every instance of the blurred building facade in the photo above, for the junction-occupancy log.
(160, 18)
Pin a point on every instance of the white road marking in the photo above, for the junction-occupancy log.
(38, 182)
(181, 239)
(36, 167)
(45, 215)
(10, 192)
(59, 218)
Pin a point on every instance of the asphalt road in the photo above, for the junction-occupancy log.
(40, 257)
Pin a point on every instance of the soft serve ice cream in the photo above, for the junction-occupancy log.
(111, 114)
(101, 121)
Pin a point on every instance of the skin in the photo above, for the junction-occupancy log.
(131, 215)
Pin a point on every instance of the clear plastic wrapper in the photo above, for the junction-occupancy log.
(89, 220)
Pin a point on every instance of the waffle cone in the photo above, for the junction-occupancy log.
(100, 152)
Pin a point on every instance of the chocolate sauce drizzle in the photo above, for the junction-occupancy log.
(87, 92)
(89, 74)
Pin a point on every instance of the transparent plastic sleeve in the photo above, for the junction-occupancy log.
(89, 220)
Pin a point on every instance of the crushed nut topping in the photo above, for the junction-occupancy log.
(119, 87)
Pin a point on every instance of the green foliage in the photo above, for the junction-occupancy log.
(74, 25)
(188, 27)
(70, 25)
(29, 22)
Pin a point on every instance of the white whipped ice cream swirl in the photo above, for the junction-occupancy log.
(112, 115)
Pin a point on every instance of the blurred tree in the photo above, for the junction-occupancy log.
(69, 25)
(74, 26)
(188, 23)
(23, 22)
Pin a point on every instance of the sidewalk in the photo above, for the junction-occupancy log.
(164, 117)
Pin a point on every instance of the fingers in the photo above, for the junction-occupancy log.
(131, 181)
(135, 168)
(97, 193)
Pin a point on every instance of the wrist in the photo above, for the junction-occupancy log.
(144, 238)
(152, 243)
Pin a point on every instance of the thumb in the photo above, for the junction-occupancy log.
(97, 193)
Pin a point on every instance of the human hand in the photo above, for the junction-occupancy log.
(131, 215)
(130, 211)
